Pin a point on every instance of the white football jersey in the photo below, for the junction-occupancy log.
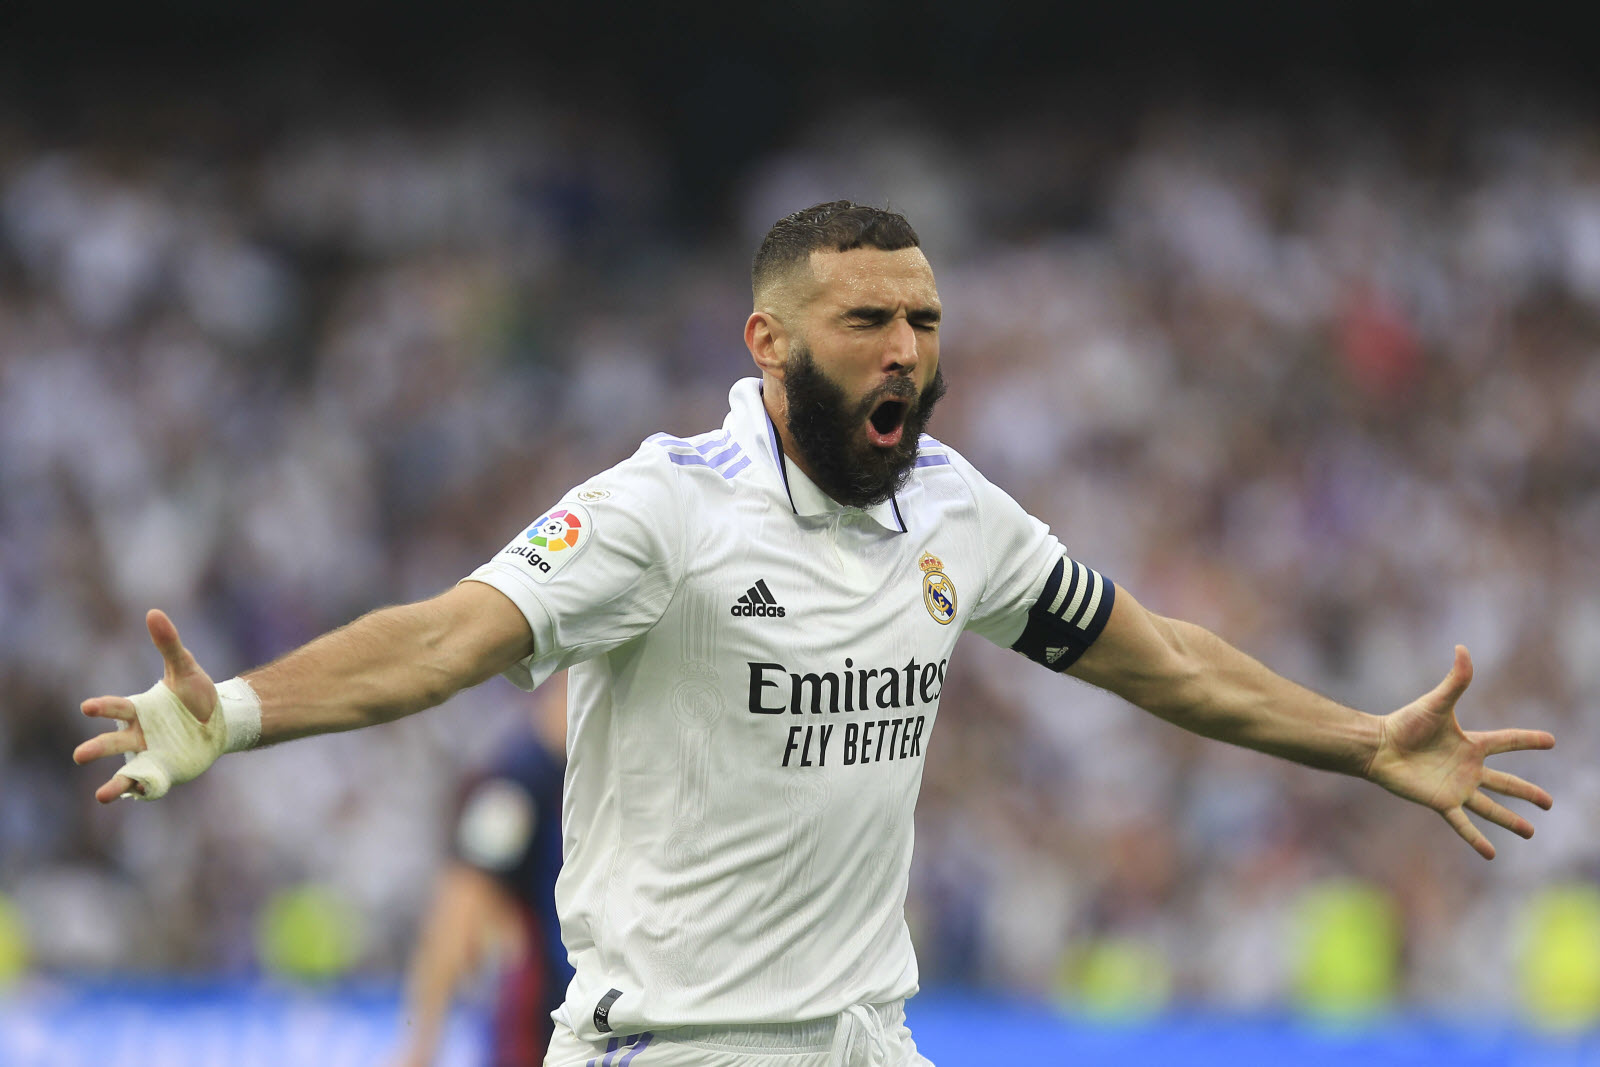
(756, 673)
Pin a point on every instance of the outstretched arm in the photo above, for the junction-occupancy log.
(386, 664)
(1194, 679)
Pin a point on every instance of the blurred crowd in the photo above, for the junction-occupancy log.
(1325, 379)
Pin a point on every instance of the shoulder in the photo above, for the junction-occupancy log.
(950, 482)
(668, 476)
(650, 478)
(934, 457)
(499, 815)
(714, 455)
(944, 472)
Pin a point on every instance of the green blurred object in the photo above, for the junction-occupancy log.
(1559, 960)
(308, 933)
(1347, 951)
(1117, 978)
(13, 943)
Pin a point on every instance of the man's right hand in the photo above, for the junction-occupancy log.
(172, 732)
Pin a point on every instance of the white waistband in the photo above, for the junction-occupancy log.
(859, 1035)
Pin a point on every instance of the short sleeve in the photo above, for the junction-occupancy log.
(597, 568)
(1036, 600)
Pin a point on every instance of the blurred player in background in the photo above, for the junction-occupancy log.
(496, 899)
(760, 620)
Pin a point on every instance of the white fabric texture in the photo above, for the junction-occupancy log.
(859, 1039)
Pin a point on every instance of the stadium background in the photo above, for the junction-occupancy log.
(1287, 321)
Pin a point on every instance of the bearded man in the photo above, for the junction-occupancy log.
(759, 622)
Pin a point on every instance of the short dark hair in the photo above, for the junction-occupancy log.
(838, 225)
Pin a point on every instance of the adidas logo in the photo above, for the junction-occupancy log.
(759, 602)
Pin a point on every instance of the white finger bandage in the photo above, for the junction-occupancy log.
(178, 746)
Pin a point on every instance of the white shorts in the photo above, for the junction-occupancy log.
(865, 1036)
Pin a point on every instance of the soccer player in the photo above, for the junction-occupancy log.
(499, 887)
(759, 621)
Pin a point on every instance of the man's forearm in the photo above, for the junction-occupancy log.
(389, 663)
(1192, 678)
(1229, 696)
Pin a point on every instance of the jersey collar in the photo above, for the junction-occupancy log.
(806, 500)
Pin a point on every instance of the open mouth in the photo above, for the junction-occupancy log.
(887, 423)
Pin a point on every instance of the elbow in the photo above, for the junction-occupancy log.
(443, 674)
(438, 688)
(427, 687)
(1172, 680)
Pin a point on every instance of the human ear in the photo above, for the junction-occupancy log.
(767, 341)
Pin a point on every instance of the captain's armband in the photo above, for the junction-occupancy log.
(1071, 611)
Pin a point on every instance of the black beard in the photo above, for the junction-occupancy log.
(826, 429)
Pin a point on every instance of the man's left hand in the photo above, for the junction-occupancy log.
(1425, 756)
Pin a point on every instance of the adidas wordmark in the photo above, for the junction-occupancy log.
(759, 602)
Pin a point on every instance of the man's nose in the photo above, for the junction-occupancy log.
(901, 353)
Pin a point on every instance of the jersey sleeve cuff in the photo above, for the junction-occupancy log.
(523, 674)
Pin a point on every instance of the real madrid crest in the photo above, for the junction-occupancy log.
(938, 591)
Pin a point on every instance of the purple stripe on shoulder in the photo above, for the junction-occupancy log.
(733, 450)
(644, 1040)
(684, 459)
(744, 462)
(611, 1052)
(933, 461)
(712, 445)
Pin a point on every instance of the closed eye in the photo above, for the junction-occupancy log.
(864, 318)
(926, 320)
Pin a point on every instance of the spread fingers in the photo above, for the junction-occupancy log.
(110, 743)
(109, 708)
(1480, 805)
(116, 787)
(1469, 833)
(1512, 786)
(1499, 741)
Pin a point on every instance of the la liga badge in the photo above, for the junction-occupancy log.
(554, 539)
(938, 591)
